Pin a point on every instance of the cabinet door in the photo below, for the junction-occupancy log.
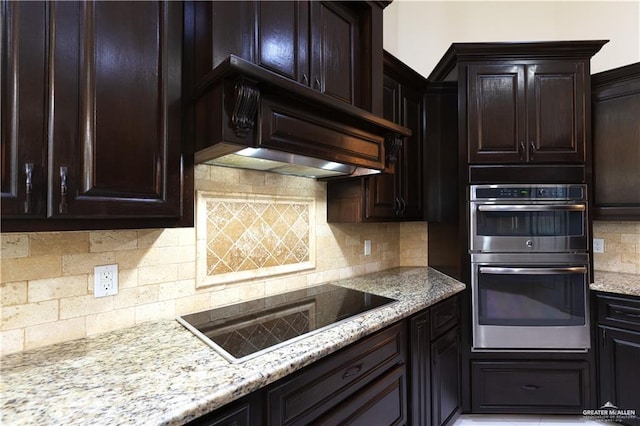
(115, 118)
(283, 38)
(23, 108)
(334, 37)
(445, 377)
(619, 369)
(616, 143)
(382, 201)
(496, 128)
(410, 167)
(556, 112)
(420, 368)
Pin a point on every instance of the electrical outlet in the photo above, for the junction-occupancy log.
(367, 247)
(598, 245)
(105, 280)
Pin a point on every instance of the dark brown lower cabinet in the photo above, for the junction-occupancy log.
(558, 387)
(619, 354)
(244, 412)
(387, 378)
(354, 384)
(434, 364)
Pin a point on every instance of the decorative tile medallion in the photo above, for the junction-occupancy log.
(246, 236)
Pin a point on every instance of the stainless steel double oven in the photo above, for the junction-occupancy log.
(530, 267)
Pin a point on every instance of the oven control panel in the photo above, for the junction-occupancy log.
(528, 192)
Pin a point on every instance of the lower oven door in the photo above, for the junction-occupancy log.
(535, 303)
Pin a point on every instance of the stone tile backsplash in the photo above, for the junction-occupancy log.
(46, 281)
(621, 247)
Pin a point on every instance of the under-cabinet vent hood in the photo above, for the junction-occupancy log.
(249, 117)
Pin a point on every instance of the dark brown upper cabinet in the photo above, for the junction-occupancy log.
(332, 47)
(521, 103)
(616, 143)
(527, 113)
(397, 194)
(91, 120)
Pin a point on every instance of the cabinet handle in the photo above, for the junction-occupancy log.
(352, 371)
(305, 79)
(530, 387)
(404, 205)
(626, 314)
(62, 208)
(522, 150)
(28, 170)
(398, 206)
(316, 84)
(532, 150)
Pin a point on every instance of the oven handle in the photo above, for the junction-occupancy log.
(534, 208)
(533, 271)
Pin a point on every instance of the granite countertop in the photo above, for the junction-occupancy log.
(160, 373)
(616, 282)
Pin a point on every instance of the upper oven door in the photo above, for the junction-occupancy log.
(531, 226)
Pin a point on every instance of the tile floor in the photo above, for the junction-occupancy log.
(524, 420)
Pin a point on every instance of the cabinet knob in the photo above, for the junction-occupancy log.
(532, 150)
(305, 79)
(316, 84)
(28, 170)
(62, 207)
(352, 371)
(530, 387)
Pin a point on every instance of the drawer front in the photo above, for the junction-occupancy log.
(383, 402)
(536, 387)
(623, 312)
(444, 316)
(323, 385)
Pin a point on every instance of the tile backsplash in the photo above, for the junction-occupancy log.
(47, 278)
(621, 247)
(243, 236)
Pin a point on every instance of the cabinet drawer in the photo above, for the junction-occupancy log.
(521, 387)
(383, 402)
(623, 312)
(323, 385)
(444, 316)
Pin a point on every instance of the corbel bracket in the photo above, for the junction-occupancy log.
(392, 146)
(246, 99)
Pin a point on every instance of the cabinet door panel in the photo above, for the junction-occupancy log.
(116, 110)
(619, 366)
(445, 377)
(496, 113)
(556, 112)
(283, 39)
(23, 108)
(333, 35)
(411, 160)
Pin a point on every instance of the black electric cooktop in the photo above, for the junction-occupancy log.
(245, 330)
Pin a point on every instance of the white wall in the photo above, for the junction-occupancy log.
(420, 32)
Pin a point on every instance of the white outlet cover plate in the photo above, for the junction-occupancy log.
(598, 245)
(105, 280)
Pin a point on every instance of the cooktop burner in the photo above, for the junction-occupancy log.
(245, 330)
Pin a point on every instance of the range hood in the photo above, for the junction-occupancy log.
(249, 117)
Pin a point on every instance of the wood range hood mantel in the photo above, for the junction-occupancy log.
(241, 105)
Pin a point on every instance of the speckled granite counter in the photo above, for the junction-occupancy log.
(615, 282)
(160, 373)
